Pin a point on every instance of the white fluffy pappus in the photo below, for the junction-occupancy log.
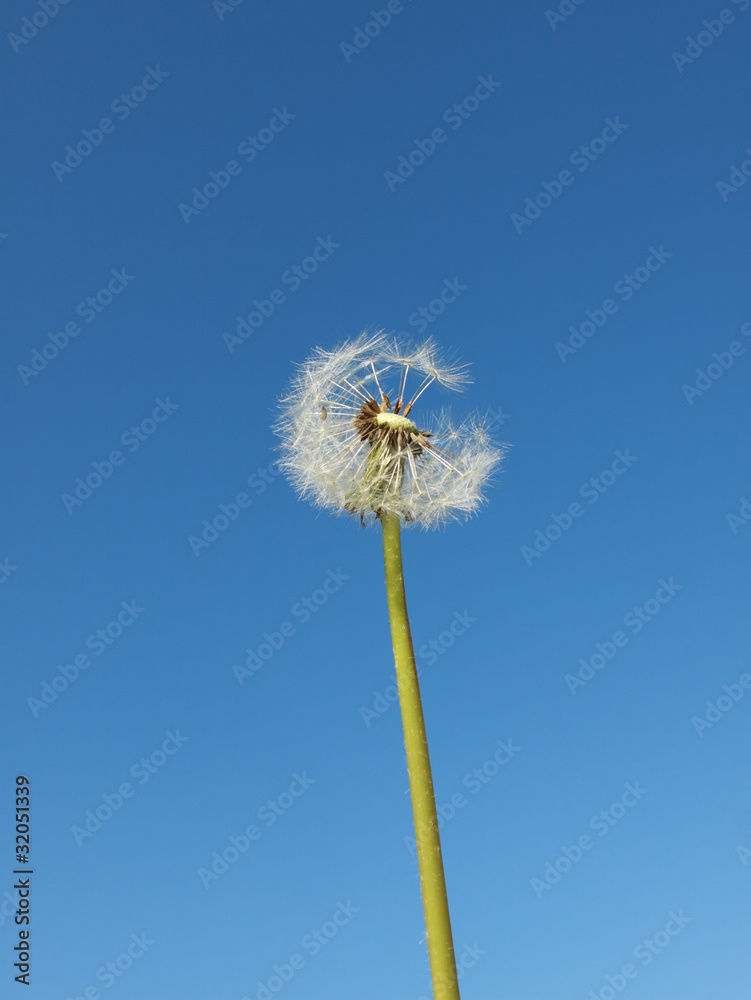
(351, 443)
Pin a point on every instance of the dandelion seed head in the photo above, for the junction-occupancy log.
(356, 437)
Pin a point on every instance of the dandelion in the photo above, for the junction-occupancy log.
(348, 447)
(354, 440)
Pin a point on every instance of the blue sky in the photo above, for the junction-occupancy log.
(196, 196)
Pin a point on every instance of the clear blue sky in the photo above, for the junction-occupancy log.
(573, 182)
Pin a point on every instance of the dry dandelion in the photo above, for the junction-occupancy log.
(354, 440)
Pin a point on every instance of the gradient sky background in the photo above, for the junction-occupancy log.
(224, 74)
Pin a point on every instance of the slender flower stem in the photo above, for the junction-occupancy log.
(432, 881)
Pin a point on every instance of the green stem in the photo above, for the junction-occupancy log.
(430, 862)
